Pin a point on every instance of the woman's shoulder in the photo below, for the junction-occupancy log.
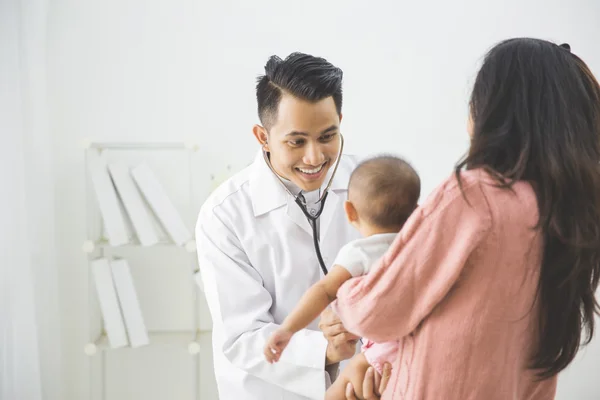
(464, 187)
(453, 204)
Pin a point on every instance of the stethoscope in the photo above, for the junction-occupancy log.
(301, 201)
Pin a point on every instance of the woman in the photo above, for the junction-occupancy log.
(490, 284)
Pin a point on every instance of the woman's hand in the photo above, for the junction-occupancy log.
(341, 343)
(373, 384)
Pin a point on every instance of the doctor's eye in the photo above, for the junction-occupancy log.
(328, 137)
(296, 143)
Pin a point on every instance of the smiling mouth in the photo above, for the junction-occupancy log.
(312, 171)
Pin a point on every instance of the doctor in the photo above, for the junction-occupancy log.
(255, 245)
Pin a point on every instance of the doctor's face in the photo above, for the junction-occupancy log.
(304, 141)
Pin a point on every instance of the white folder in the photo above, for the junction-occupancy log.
(134, 204)
(160, 203)
(110, 208)
(109, 303)
(132, 313)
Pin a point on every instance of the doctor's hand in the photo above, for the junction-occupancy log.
(373, 384)
(341, 343)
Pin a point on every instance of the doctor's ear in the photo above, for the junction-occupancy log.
(260, 134)
(351, 213)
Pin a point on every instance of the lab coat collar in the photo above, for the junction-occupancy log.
(268, 194)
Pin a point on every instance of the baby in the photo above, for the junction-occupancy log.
(382, 193)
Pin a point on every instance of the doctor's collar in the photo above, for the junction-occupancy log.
(309, 197)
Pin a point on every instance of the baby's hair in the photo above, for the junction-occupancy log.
(384, 190)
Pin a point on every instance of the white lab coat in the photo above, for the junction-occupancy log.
(256, 259)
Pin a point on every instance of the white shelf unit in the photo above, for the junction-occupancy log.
(95, 245)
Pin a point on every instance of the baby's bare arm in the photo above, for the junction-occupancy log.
(316, 299)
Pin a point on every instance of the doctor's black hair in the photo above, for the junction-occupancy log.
(303, 76)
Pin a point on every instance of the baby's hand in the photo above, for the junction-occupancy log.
(276, 344)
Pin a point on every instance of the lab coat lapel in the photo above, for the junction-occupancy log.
(331, 208)
(266, 191)
(295, 214)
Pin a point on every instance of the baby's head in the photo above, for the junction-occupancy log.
(382, 193)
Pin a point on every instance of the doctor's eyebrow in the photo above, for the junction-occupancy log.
(328, 130)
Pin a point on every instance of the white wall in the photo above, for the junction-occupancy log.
(173, 70)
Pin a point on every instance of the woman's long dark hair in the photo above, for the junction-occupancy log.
(535, 109)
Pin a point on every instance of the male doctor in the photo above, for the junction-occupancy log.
(255, 246)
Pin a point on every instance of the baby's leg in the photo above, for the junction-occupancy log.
(353, 373)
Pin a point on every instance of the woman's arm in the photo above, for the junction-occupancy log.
(420, 267)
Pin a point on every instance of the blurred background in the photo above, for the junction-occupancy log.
(80, 75)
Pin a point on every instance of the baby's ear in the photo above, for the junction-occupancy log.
(351, 213)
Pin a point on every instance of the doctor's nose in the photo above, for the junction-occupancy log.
(314, 155)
